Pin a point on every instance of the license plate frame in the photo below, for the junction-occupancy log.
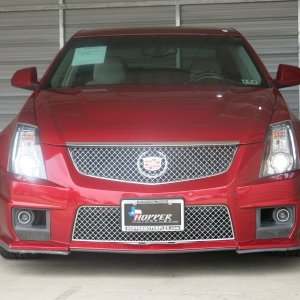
(152, 215)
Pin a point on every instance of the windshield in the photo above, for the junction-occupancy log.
(162, 59)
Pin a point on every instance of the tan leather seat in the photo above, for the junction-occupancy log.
(111, 71)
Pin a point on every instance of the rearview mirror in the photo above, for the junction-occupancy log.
(25, 79)
(287, 76)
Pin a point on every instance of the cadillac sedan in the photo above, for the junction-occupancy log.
(152, 141)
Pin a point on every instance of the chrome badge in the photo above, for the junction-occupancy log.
(152, 164)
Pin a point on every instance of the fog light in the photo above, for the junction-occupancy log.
(281, 215)
(31, 224)
(25, 217)
(275, 222)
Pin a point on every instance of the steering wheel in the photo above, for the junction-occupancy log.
(205, 75)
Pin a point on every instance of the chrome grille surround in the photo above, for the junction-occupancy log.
(202, 223)
(123, 163)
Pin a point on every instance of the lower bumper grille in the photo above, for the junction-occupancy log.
(202, 223)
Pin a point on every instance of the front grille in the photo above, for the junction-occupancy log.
(152, 164)
(202, 223)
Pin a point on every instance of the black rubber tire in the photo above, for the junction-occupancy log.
(290, 253)
(10, 255)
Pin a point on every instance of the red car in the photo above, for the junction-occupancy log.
(152, 141)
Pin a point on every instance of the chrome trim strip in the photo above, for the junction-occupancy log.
(154, 243)
(151, 252)
(142, 144)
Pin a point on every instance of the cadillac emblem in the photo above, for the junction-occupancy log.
(152, 164)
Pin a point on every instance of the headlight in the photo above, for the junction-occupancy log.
(281, 152)
(26, 155)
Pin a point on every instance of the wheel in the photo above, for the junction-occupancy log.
(290, 253)
(10, 255)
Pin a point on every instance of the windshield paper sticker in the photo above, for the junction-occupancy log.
(89, 55)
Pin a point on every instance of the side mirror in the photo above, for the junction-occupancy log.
(287, 76)
(25, 79)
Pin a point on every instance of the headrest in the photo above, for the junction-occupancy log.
(111, 71)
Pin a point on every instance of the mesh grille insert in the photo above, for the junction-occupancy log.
(152, 164)
(202, 223)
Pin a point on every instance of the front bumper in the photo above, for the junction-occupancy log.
(63, 204)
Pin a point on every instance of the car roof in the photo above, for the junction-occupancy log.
(155, 31)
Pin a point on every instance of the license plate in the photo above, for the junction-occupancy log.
(152, 215)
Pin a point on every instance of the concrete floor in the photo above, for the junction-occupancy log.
(214, 275)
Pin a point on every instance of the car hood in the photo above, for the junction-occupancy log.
(152, 114)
